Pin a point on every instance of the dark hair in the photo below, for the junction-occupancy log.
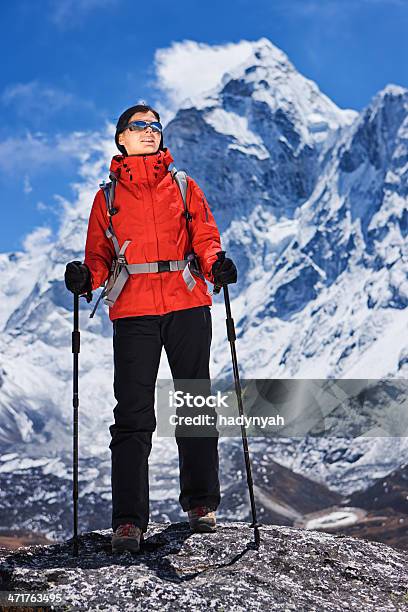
(124, 120)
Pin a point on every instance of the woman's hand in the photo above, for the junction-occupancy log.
(224, 272)
(78, 277)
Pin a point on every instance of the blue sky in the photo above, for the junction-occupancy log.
(72, 65)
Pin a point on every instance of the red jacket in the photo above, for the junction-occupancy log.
(150, 214)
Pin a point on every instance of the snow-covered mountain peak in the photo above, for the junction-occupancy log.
(376, 142)
(387, 111)
(268, 79)
(263, 54)
(390, 90)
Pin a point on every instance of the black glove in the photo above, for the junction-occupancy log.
(224, 272)
(78, 277)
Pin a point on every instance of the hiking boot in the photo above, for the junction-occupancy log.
(202, 519)
(127, 537)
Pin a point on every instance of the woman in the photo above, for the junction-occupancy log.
(154, 309)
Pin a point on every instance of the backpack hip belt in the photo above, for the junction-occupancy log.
(120, 269)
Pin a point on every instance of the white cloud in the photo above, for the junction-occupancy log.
(38, 99)
(16, 153)
(50, 209)
(30, 91)
(27, 188)
(90, 154)
(71, 13)
(189, 68)
(35, 151)
(39, 152)
(38, 240)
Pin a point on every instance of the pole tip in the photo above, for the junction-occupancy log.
(257, 535)
(257, 538)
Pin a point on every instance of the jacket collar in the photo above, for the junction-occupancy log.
(147, 168)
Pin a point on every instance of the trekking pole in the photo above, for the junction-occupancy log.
(232, 337)
(75, 402)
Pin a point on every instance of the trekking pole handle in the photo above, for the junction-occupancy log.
(221, 257)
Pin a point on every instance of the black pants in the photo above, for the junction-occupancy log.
(137, 345)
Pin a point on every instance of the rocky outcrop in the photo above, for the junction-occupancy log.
(293, 569)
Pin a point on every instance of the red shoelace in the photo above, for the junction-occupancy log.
(126, 529)
(200, 511)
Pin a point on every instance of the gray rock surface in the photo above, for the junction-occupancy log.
(293, 569)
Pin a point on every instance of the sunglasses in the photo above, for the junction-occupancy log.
(139, 126)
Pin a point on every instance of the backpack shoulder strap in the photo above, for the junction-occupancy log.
(181, 178)
(109, 193)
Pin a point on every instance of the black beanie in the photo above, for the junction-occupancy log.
(124, 120)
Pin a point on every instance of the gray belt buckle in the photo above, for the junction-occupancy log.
(163, 266)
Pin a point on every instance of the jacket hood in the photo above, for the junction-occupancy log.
(143, 167)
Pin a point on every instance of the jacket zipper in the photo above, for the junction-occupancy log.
(155, 227)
